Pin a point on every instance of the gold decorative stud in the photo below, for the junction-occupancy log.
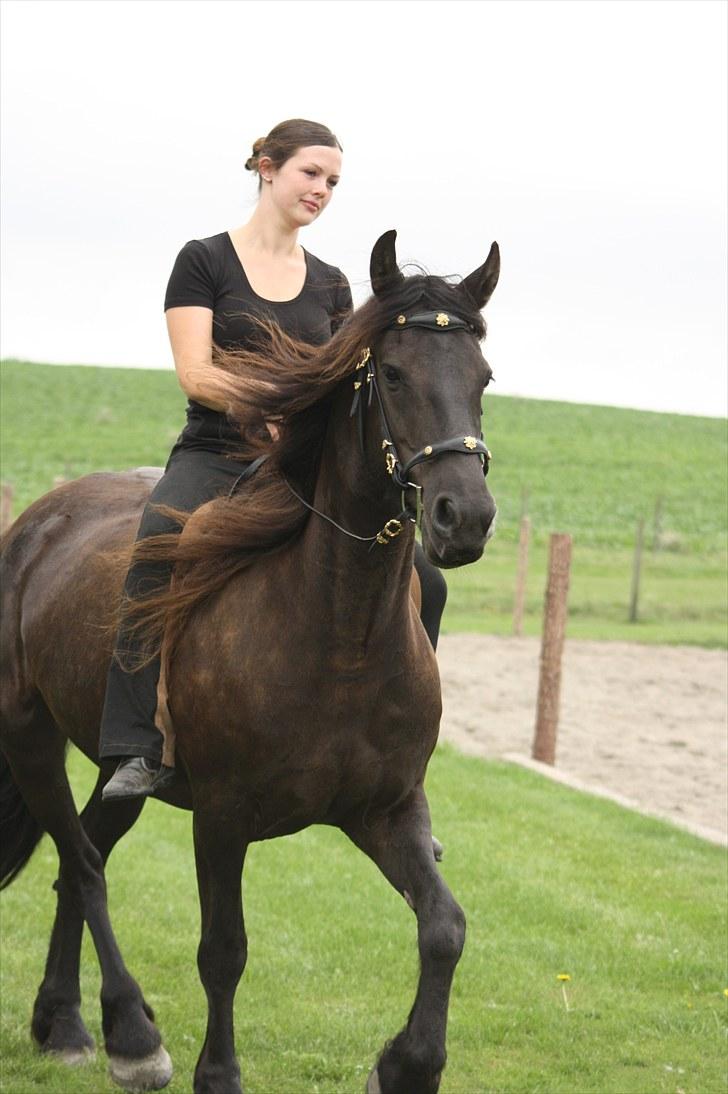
(390, 531)
(365, 355)
(401, 319)
(428, 450)
(441, 319)
(386, 443)
(357, 385)
(391, 463)
(470, 442)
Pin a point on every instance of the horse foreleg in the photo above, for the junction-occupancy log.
(220, 846)
(400, 843)
(57, 1026)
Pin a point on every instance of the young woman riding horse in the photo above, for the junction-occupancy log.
(293, 702)
(219, 287)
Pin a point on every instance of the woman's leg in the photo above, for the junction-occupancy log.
(192, 477)
(434, 595)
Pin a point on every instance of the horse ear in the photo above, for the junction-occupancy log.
(481, 283)
(383, 269)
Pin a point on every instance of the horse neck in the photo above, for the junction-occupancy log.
(365, 588)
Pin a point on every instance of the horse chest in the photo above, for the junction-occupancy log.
(346, 729)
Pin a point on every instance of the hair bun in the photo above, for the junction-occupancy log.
(251, 164)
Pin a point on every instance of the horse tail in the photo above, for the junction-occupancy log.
(20, 832)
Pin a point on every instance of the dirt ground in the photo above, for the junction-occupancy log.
(647, 722)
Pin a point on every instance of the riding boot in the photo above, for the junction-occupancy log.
(137, 778)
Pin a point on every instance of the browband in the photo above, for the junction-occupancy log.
(430, 320)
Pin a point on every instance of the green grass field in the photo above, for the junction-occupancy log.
(590, 471)
(552, 881)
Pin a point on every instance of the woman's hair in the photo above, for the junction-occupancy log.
(286, 138)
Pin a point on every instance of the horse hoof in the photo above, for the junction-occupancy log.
(373, 1086)
(73, 1057)
(148, 1073)
(63, 1036)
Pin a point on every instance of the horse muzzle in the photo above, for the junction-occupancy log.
(455, 529)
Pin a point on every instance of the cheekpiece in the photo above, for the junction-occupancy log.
(443, 323)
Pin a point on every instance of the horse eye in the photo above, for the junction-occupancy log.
(390, 374)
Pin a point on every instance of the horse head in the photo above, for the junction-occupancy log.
(426, 375)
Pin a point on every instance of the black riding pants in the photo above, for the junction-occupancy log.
(192, 477)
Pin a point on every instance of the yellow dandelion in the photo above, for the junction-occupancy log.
(565, 976)
(725, 992)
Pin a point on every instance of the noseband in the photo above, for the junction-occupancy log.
(366, 388)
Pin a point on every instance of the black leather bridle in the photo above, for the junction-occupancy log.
(366, 388)
(442, 322)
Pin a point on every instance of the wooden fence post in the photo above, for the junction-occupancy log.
(520, 600)
(6, 507)
(657, 524)
(552, 645)
(636, 568)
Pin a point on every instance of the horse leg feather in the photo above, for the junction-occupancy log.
(400, 843)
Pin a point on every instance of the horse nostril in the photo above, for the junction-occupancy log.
(444, 515)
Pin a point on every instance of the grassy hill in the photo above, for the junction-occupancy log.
(587, 470)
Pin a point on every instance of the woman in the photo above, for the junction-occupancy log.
(218, 288)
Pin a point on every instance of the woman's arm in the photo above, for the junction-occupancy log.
(190, 333)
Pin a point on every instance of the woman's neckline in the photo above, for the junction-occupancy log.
(265, 299)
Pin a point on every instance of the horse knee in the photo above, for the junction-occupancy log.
(443, 939)
(221, 959)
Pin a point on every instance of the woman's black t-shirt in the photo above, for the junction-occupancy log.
(209, 274)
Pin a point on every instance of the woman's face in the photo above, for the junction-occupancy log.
(302, 187)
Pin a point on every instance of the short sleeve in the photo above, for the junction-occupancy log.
(343, 303)
(192, 281)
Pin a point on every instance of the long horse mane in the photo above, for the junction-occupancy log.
(292, 383)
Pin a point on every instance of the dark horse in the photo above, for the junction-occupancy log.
(302, 689)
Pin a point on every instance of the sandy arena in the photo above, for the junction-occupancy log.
(645, 722)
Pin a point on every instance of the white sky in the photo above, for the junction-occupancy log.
(588, 138)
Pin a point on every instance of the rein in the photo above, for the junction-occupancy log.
(468, 446)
